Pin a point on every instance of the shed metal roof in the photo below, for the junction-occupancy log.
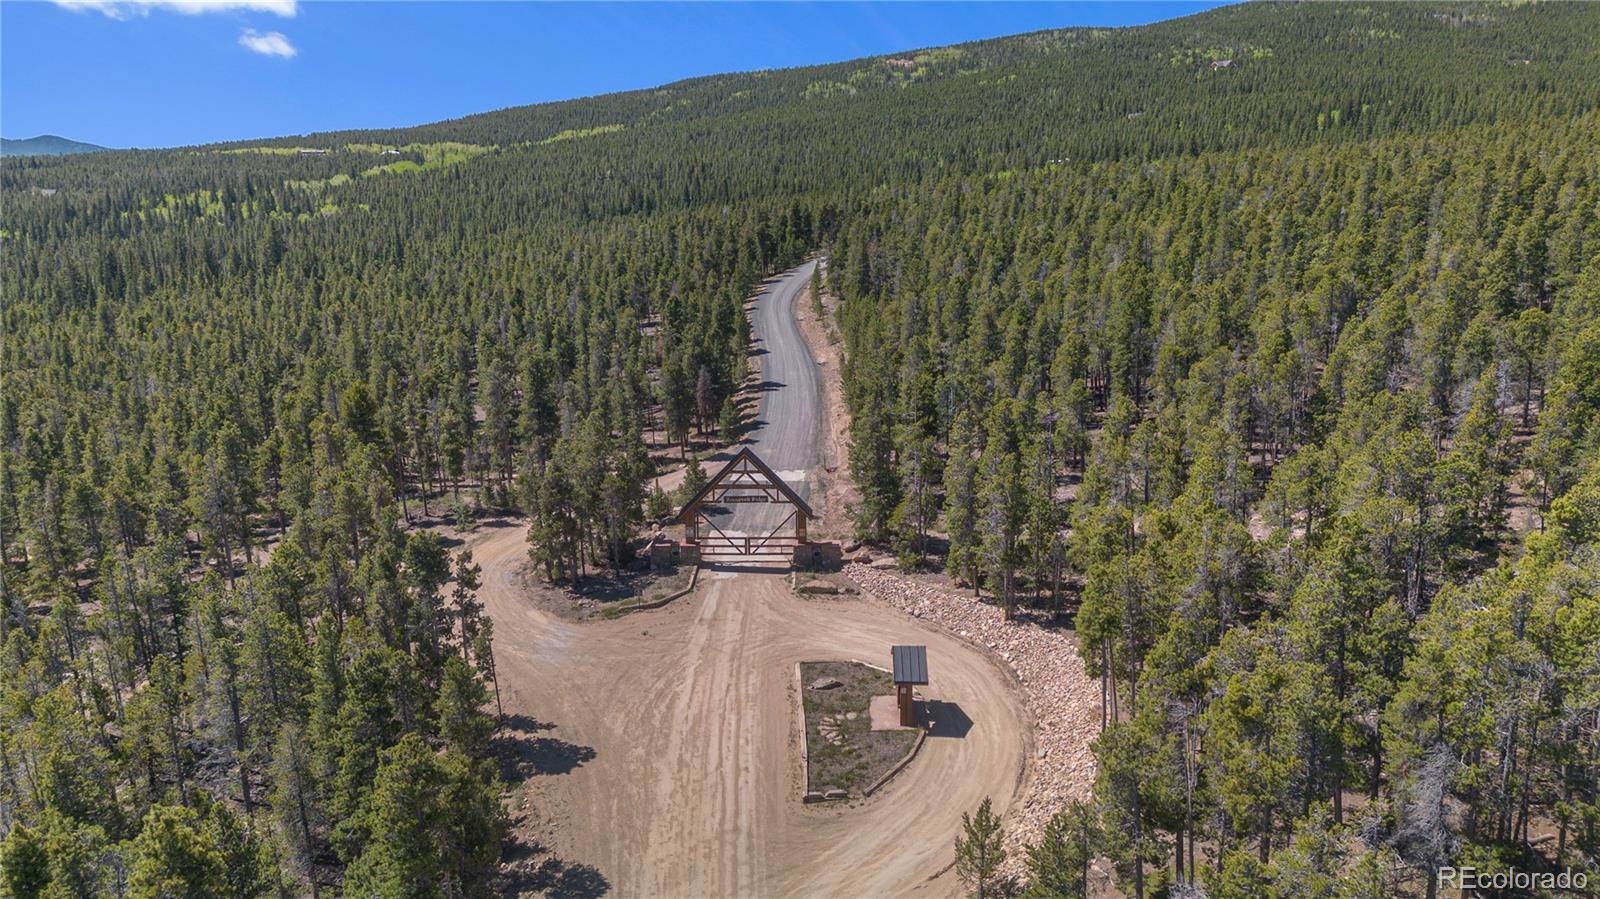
(910, 664)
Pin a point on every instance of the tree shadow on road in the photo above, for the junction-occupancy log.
(531, 869)
(524, 753)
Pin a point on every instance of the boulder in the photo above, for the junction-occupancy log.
(812, 796)
(836, 793)
(818, 586)
(826, 683)
(884, 564)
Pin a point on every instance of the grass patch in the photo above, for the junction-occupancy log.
(575, 133)
(615, 597)
(273, 151)
(434, 156)
(197, 203)
(857, 755)
(403, 167)
(334, 181)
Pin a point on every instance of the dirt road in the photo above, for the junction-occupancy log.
(673, 765)
(663, 748)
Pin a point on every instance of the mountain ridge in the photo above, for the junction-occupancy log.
(46, 145)
(1460, 64)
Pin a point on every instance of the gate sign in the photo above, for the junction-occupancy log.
(745, 479)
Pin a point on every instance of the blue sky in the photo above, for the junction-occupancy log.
(155, 73)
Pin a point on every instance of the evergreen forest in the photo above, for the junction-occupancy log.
(1260, 347)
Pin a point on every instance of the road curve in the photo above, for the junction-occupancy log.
(663, 748)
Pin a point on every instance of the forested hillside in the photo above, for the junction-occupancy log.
(1309, 440)
(1265, 343)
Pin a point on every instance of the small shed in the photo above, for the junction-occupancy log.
(910, 670)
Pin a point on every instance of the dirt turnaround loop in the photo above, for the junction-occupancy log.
(672, 760)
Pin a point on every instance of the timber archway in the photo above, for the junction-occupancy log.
(745, 479)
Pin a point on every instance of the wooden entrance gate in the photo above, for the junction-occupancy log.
(745, 479)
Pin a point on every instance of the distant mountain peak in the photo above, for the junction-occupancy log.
(45, 145)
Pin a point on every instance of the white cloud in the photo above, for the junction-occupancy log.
(123, 9)
(272, 43)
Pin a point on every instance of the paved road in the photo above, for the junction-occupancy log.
(788, 426)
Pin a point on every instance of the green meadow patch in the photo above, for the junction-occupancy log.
(575, 133)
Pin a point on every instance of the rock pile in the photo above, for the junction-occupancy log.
(1063, 700)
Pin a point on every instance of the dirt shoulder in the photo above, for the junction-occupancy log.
(838, 491)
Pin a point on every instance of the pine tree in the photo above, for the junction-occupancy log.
(1269, 735)
(173, 855)
(658, 507)
(1042, 522)
(248, 865)
(472, 826)
(872, 467)
(554, 531)
(1135, 789)
(294, 803)
(83, 862)
(677, 400)
(75, 776)
(468, 609)
(401, 857)
(369, 719)
(436, 826)
(462, 724)
(24, 864)
(483, 659)
(980, 851)
(1003, 516)
(1526, 339)
(224, 686)
(915, 514)
(728, 421)
(694, 480)
(961, 507)
(1058, 867)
